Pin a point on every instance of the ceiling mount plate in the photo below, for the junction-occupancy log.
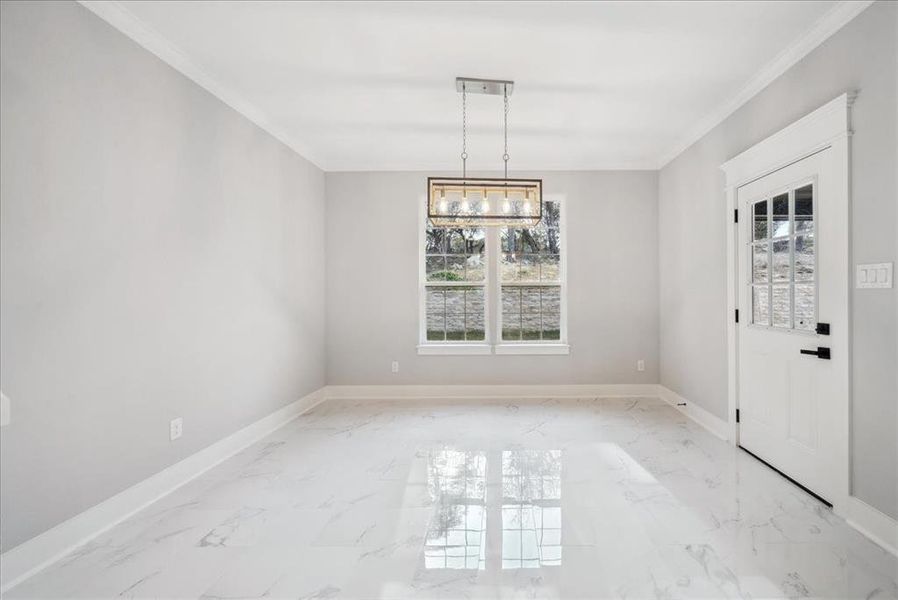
(495, 87)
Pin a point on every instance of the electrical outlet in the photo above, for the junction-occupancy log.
(395, 366)
(176, 428)
(640, 365)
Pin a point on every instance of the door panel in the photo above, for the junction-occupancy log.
(791, 274)
(802, 402)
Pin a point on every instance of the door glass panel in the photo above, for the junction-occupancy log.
(804, 258)
(782, 306)
(760, 304)
(804, 209)
(804, 307)
(781, 260)
(780, 219)
(759, 263)
(760, 220)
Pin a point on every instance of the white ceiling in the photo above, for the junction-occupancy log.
(370, 85)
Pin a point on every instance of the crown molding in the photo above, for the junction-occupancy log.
(836, 18)
(117, 14)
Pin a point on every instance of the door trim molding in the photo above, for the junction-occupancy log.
(827, 127)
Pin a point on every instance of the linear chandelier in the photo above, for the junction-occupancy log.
(483, 201)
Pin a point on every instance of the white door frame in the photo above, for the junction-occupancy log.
(826, 127)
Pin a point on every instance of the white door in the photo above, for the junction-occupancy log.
(792, 269)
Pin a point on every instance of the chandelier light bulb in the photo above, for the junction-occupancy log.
(506, 206)
(464, 201)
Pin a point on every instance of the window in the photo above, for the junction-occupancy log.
(512, 278)
(531, 280)
(783, 261)
(455, 290)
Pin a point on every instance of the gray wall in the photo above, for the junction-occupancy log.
(862, 56)
(161, 257)
(372, 254)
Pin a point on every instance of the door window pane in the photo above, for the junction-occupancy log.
(760, 301)
(804, 209)
(804, 258)
(780, 217)
(759, 263)
(804, 307)
(760, 220)
(781, 260)
(782, 306)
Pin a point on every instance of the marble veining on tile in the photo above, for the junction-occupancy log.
(587, 498)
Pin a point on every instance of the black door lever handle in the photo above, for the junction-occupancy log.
(820, 352)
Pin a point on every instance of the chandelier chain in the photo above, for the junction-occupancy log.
(505, 156)
(464, 130)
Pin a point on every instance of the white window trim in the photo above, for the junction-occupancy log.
(453, 348)
(552, 347)
(492, 290)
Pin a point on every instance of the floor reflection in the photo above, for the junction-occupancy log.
(456, 539)
(531, 509)
(514, 493)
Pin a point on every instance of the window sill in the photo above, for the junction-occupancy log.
(533, 349)
(454, 349)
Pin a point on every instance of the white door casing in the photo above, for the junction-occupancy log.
(794, 407)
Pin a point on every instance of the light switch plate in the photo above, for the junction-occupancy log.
(874, 275)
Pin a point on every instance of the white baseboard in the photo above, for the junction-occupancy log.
(30, 557)
(365, 392)
(712, 423)
(876, 525)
